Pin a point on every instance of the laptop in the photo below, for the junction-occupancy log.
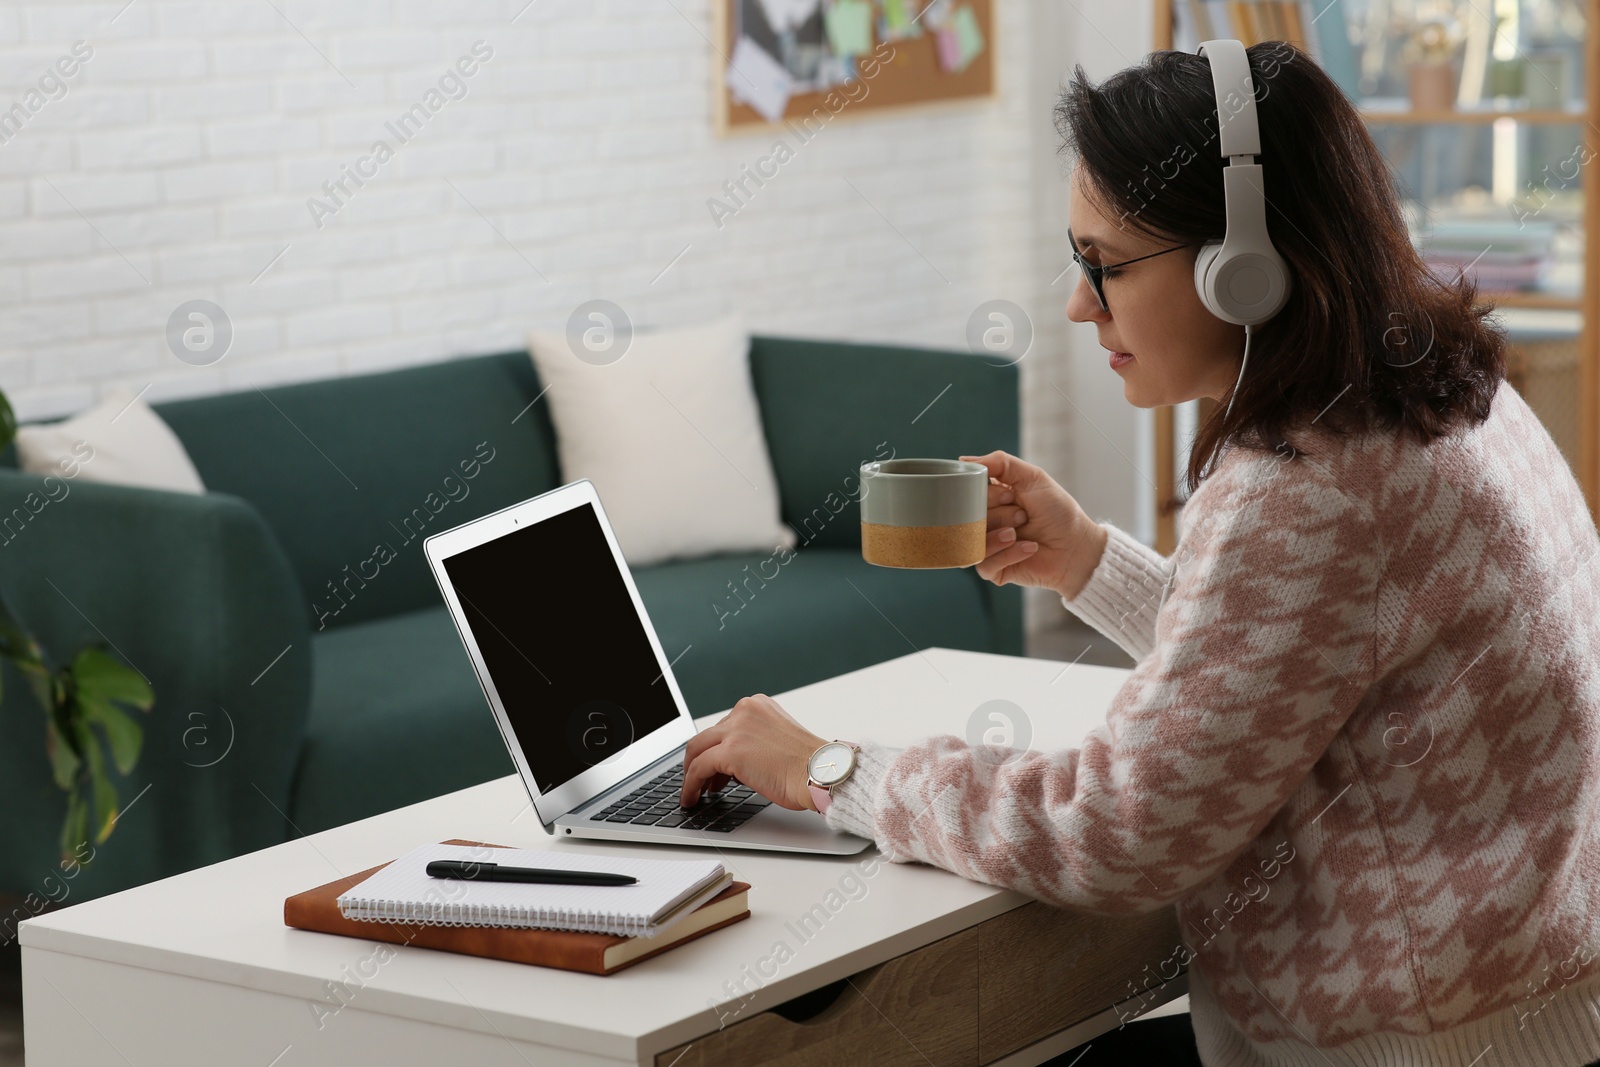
(581, 688)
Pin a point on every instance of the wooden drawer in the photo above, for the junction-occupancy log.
(1041, 969)
(966, 1000)
(911, 1011)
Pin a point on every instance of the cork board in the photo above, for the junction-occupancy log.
(893, 73)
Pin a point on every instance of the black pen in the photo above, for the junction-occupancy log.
(475, 871)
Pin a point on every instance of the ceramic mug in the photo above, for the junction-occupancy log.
(924, 513)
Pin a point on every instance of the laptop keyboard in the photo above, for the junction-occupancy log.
(655, 803)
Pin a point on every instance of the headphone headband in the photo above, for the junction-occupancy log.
(1240, 279)
(1240, 135)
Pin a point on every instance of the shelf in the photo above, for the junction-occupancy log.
(1405, 116)
(1440, 148)
(1542, 301)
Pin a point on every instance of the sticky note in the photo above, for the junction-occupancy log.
(849, 24)
(757, 79)
(966, 27)
(897, 22)
(961, 41)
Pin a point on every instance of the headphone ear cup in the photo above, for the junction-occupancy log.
(1247, 287)
(1203, 281)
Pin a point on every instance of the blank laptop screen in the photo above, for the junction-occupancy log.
(558, 633)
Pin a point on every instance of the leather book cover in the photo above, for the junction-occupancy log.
(571, 950)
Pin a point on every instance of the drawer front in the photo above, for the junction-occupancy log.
(911, 1011)
(1041, 969)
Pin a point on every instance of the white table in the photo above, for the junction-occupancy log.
(199, 968)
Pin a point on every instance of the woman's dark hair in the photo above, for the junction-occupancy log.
(1368, 332)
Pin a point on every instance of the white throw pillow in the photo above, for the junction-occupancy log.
(670, 435)
(129, 442)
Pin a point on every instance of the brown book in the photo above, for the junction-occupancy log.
(571, 950)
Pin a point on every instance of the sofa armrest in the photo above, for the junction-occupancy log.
(827, 407)
(196, 594)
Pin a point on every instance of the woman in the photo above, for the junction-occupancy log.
(1360, 750)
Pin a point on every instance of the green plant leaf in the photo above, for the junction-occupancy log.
(98, 675)
(64, 761)
(105, 808)
(17, 645)
(75, 827)
(8, 423)
(39, 681)
(124, 736)
(105, 795)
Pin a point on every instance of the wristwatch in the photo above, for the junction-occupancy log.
(829, 765)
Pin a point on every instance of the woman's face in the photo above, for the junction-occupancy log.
(1180, 350)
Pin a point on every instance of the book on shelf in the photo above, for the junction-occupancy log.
(1317, 27)
(1502, 255)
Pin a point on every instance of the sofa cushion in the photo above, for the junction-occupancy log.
(397, 715)
(669, 432)
(119, 441)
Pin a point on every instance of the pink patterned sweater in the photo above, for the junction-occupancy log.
(1360, 752)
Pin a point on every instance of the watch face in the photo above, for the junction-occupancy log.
(832, 762)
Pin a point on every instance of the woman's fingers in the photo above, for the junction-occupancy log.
(1006, 517)
(700, 742)
(997, 562)
(699, 773)
(1006, 468)
(999, 540)
(1000, 492)
(1003, 534)
(991, 461)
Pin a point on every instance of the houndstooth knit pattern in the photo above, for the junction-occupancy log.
(1360, 752)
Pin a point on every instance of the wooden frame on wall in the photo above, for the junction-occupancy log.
(904, 74)
(1588, 465)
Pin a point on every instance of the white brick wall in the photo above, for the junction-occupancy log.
(179, 163)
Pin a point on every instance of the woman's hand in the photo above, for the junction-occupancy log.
(758, 743)
(1038, 534)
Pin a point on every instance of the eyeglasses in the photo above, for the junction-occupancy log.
(1098, 274)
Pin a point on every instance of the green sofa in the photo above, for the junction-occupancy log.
(303, 681)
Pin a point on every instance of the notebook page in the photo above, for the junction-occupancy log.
(404, 892)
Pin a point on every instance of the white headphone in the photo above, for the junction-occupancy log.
(1241, 279)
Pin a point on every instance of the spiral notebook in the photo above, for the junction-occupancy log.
(667, 890)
